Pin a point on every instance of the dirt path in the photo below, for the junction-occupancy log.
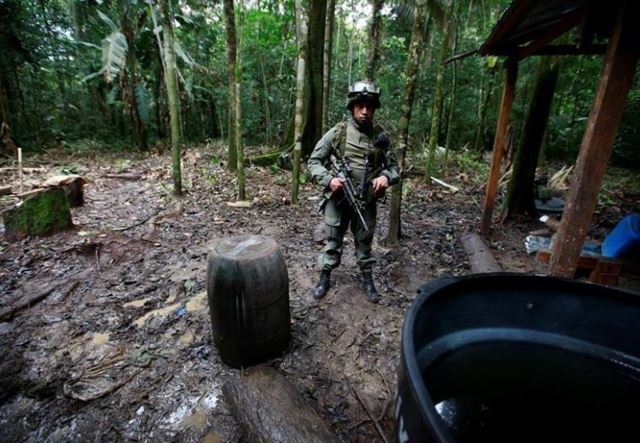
(120, 349)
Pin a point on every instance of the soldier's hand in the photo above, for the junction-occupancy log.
(336, 183)
(380, 184)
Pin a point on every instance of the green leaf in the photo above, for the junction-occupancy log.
(180, 52)
(112, 95)
(114, 55)
(90, 76)
(142, 99)
(88, 44)
(107, 20)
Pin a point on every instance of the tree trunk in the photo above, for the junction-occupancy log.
(326, 67)
(230, 22)
(411, 69)
(374, 39)
(452, 101)
(520, 195)
(172, 93)
(484, 104)
(302, 32)
(311, 133)
(130, 84)
(437, 104)
(237, 126)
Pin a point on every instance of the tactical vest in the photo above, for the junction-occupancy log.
(357, 146)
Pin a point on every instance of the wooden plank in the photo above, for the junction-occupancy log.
(616, 78)
(508, 95)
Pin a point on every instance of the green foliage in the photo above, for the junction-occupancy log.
(142, 100)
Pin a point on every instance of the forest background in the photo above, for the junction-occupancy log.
(59, 86)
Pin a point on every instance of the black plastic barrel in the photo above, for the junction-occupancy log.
(248, 293)
(517, 358)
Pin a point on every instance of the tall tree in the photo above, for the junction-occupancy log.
(133, 90)
(437, 103)
(172, 92)
(232, 48)
(311, 133)
(237, 126)
(374, 39)
(326, 69)
(301, 32)
(452, 100)
(520, 194)
(411, 70)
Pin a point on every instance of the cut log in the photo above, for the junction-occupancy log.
(43, 212)
(5, 190)
(481, 259)
(73, 186)
(248, 293)
(270, 409)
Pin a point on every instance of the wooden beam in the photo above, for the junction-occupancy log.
(555, 31)
(616, 78)
(507, 23)
(508, 94)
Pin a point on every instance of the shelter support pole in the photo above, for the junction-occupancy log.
(508, 94)
(616, 78)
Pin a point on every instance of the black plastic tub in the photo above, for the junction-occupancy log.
(519, 358)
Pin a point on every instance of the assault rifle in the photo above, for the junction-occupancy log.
(341, 168)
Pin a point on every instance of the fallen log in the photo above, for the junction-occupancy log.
(128, 177)
(269, 409)
(481, 259)
(5, 190)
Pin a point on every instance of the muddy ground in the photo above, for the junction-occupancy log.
(119, 347)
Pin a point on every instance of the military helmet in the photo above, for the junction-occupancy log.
(365, 91)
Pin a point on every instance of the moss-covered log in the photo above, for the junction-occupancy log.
(42, 213)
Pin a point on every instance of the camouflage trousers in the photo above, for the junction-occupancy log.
(338, 218)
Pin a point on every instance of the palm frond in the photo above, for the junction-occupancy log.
(107, 20)
(142, 99)
(114, 55)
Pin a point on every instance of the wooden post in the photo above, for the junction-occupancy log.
(616, 78)
(508, 95)
(20, 176)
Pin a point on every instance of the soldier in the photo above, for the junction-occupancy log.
(374, 168)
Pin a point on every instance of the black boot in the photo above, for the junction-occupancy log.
(369, 287)
(323, 285)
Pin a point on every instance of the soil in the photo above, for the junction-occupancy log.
(118, 345)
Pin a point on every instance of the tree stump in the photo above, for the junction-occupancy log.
(41, 213)
(270, 409)
(248, 293)
(73, 186)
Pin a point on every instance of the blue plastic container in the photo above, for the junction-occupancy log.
(624, 240)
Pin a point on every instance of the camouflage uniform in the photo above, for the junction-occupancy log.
(353, 142)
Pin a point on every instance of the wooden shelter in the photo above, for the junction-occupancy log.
(530, 27)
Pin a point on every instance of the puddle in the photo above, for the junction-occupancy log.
(137, 303)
